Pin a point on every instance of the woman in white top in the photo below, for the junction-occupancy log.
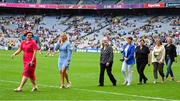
(158, 58)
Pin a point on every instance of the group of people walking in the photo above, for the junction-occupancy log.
(131, 55)
(139, 55)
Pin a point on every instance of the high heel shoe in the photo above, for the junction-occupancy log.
(34, 89)
(62, 87)
(69, 84)
(18, 90)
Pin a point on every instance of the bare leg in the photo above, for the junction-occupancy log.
(40, 51)
(62, 77)
(67, 79)
(66, 76)
(23, 81)
(33, 83)
(52, 53)
(47, 54)
(60, 72)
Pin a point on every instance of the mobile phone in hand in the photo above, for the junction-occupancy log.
(30, 64)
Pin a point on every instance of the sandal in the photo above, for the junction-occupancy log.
(69, 84)
(18, 90)
(34, 89)
(62, 87)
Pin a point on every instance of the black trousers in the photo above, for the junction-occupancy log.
(140, 68)
(108, 70)
(158, 67)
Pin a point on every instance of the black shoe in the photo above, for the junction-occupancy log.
(145, 81)
(162, 79)
(114, 84)
(100, 85)
(140, 83)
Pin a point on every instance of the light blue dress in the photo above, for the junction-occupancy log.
(64, 55)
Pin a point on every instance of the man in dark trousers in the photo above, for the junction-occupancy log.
(106, 62)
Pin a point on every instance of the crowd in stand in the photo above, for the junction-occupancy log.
(86, 32)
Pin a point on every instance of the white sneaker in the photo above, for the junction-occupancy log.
(69, 84)
(154, 81)
(125, 82)
(128, 84)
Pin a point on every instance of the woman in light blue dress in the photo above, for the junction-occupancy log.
(64, 47)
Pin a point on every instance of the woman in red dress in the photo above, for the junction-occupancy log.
(29, 47)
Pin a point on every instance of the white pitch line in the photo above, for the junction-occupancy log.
(104, 92)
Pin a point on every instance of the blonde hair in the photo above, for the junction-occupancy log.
(64, 34)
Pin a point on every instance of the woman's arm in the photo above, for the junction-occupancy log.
(16, 53)
(175, 53)
(111, 55)
(34, 55)
(163, 55)
(136, 54)
(149, 54)
(35, 48)
(153, 59)
(148, 51)
(69, 50)
(131, 55)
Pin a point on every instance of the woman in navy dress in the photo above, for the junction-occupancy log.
(64, 47)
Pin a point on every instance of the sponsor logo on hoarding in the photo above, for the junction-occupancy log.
(156, 5)
(176, 5)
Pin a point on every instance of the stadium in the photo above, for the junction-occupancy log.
(87, 25)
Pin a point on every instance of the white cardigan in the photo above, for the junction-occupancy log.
(158, 54)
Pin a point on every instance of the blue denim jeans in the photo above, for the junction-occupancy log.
(169, 69)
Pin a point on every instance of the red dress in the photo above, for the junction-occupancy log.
(28, 46)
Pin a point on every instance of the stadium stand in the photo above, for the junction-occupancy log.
(87, 31)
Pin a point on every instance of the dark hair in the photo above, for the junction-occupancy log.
(130, 38)
(28, 33)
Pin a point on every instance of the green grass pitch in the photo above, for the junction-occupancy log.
(84, 74)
